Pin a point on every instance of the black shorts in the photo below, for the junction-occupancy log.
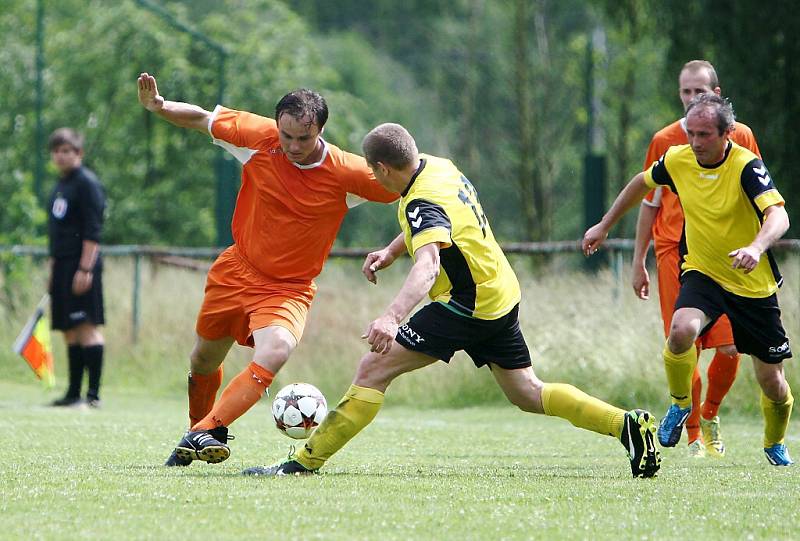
(437, 331)
(756, 322)
(69, 310)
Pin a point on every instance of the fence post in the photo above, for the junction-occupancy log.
(137, 286)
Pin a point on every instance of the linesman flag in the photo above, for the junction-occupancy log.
(35, 346)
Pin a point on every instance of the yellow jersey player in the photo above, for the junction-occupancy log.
(733, 214)
(475, 306)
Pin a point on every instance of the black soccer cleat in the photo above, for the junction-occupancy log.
(289, 467)
(67, 402)
(638, 437)
(220, 434)
(202, 445)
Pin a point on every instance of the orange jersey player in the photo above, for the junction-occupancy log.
(296, 189)
(661, 218)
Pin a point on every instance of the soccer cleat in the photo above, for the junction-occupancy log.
(67, 402)
(712, 436)
(202, 445)
(94, 403)
(669, 431)
(220, 434)
(778, 455)
(697, 449)
(638, 437)
(289, 467)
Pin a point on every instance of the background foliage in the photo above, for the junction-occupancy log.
(500, 86)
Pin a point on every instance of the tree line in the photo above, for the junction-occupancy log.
(515, 91)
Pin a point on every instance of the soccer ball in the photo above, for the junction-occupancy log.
(298, 409)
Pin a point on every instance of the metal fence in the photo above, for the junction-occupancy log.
(182, 255)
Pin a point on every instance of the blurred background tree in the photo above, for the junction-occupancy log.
(500, 86)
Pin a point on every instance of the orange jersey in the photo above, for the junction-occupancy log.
(668, 226)
(287, 215)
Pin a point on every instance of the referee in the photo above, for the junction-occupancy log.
(75, 221)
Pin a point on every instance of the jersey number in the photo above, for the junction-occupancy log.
(469, 197)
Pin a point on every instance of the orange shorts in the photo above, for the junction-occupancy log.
(238, 300)
(669, 285)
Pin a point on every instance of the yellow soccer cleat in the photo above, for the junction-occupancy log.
(712, 436)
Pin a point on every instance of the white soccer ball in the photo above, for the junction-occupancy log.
(298, 409)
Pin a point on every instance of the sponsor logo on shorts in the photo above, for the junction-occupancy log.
(81, 314)
(783, 348)
(410, 334)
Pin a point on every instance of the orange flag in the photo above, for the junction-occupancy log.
(35, 346)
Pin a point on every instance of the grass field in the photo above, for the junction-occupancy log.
(477, 473)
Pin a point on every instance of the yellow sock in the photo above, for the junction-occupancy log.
(582, 410)
(357, 409)
(776, 418)
(679, 368)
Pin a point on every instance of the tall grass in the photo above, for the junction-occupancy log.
(584, 329)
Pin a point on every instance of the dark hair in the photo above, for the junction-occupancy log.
(390, 144)
(65, 136)
(697, 65)
(719, 105)
(303, 103)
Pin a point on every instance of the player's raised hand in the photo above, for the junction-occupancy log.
(594, 237)
(746, 258)
(374, 262)
(148, 93)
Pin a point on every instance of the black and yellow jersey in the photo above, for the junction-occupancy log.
(723, 204)
(441, 205)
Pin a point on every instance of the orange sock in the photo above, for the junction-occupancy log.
(202, 394)
(693, 422)
(721, 374)
(240, 395)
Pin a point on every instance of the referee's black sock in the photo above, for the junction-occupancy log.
(93, 356)
(76, 364)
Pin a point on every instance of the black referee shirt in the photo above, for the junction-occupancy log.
(75, 213)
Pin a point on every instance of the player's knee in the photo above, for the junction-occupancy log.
(681, 336)
(373, 372)
(272, 359)
(728, 350)
(202, 364)
(774, 385)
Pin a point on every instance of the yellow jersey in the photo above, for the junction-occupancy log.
(441, 205)
(723, 205)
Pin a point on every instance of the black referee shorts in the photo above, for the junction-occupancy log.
(437, 331)
(756, 322)
(69, 310)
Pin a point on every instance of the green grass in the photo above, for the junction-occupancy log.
(475, 473)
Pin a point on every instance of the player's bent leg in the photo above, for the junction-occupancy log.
(635, 429)
(776, 406)
(680, 359)
(205, 378)
(693, 421)
(356, 410)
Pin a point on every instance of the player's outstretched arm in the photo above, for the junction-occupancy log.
(631, 194)
(185, 115)
(640, 279)
(776, 223)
